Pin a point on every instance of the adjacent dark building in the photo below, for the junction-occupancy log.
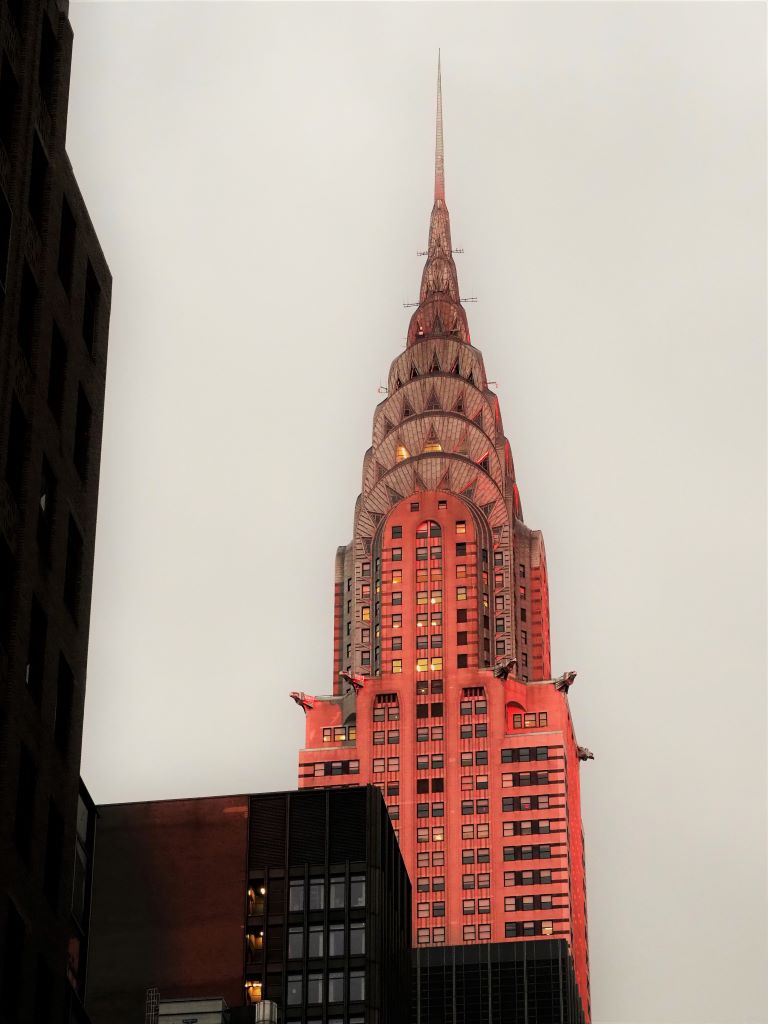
(513, 982)
(299, 898)
(54, 309)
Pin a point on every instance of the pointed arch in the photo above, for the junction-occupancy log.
(459, 406)
(414, 372)
(434, 366)
(433, 402)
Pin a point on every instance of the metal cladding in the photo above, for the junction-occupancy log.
(441, 607)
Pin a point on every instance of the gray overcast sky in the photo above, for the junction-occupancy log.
(259, 177)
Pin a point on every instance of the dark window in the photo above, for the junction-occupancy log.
(17, 449)
(357, 891)
(9, 95)
(38, 630)
(357, 938)
(67, 232)
(481, 757)
(523, 615)
(397, 554)
(421, 710)
(25, 327)
(437, 710)
(65, 691)
(357, 985)
(461, 548)
(316, 894)
(462, 660)
(90, 321)
(462, 639)
(296, 896)
(397, 531)
(422, 785)
(25, 802)
(422, 810)
(6, 220)
(74, 569)
(38, 181)
(337, 893)
(438, 909)
(438, 785)
(53, 852)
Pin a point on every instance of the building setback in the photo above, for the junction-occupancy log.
(55, 291)
(442, 690)
(298, 898)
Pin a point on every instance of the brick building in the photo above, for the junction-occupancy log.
(54, 310)
(442, 690)
(301, 899)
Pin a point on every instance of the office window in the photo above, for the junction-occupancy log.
(437, 596)
(438, 810)
(437, 732)
(481, 730)
(422, 936)
(294, 994)
(421, 598)
(393, 736)
(438, 908)
(438, 883)
(465, 758)
(316, 894)
(422, 835)
(315, 944)
(481, 757)
(484, 881)
(422, 884)
(437, 640)
(378, 738)
(461, 593)
(393, 764)
(295, 943)
(484, 907)
(397, 531)
(422, 735)
(467, 906)
(335, 986)
(422, 642)
(438, 833)
(422, 664)
(397, 621)
(422, 860)
(397, 597)
(468, 856)
(510, 929)
(438, 858)
(397, 554)
(421, 554)
(484, 931)
(468, 881)
(481, 806)
(335, 940)
(467, 831)
(357, 891)
(483, 830)
(467, 806)
(465, 732)
(397, 666)
(378, 764)
(437, 760)
(296, 896)
(422, 810)
(357, 938)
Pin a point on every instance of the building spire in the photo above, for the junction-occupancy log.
(439, 164)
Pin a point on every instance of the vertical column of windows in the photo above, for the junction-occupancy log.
(475, 833)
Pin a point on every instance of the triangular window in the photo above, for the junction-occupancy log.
(407, 410)
(470, 377)
(414, 372)
(433, 404)
(459, 407)
(455, 368)
(434, 366)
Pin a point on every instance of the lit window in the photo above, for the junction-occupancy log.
(397, 575)
(366, 613)
(437, 596)
(401, 453)
(397, 666)
(461, 569)
(461, 595)
(421, 597)
(432, 446)
(438, 834)
(422, 664)
(461, 526)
